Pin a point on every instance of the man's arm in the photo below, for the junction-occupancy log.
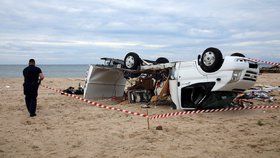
(41, 76)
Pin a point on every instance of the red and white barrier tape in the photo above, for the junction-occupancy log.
(96, 103)
(167, 115)
(262, 61)
(157, 116)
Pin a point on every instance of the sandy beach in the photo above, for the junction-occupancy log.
(69, 128)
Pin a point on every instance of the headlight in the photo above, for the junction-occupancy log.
(235, 75)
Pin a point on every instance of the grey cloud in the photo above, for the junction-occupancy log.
(154, 28)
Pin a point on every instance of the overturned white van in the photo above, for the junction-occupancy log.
(209, 81)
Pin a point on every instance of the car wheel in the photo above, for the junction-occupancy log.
(211, 60)
(238, 55)
(132, 61)
(162, 60)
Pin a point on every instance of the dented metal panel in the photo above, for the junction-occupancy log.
(104, 82)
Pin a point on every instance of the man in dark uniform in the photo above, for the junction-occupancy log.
(32, 78)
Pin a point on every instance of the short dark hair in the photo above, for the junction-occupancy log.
(31, 61)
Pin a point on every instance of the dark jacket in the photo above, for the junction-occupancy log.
(31, 80)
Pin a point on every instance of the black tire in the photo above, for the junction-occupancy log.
(238, 55)
(162, 60)
(132, 61)
(211, 60)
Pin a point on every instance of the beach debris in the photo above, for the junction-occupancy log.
(161, 92)
(139, 89)
(138, 96)
(69, 90)
(260, 92)
(72, 90)
(150, 88)
(7, 86)
(159, 127)
(239, 101)
(143, 82)
(80, 90)
(145, 106)
(259, 95)
(124, 102)
(266, 88)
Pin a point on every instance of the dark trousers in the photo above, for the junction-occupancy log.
(31, 93)
(31, 104)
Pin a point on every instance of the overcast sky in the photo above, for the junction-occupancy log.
(82, 31)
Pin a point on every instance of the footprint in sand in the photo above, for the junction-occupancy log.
(81, 118)
(28, 122)
(35, 147)
(77, 144)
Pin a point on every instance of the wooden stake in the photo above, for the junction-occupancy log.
(148, 120)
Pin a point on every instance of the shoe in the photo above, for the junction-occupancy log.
(32, 115)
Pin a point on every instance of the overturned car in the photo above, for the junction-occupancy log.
(209, 81)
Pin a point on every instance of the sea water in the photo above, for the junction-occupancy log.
(48, 70)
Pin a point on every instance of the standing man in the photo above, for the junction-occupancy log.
(32, 79)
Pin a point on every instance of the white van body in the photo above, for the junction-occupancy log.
(236, 74)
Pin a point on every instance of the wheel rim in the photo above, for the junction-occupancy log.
(208, 58)
(129, 62)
